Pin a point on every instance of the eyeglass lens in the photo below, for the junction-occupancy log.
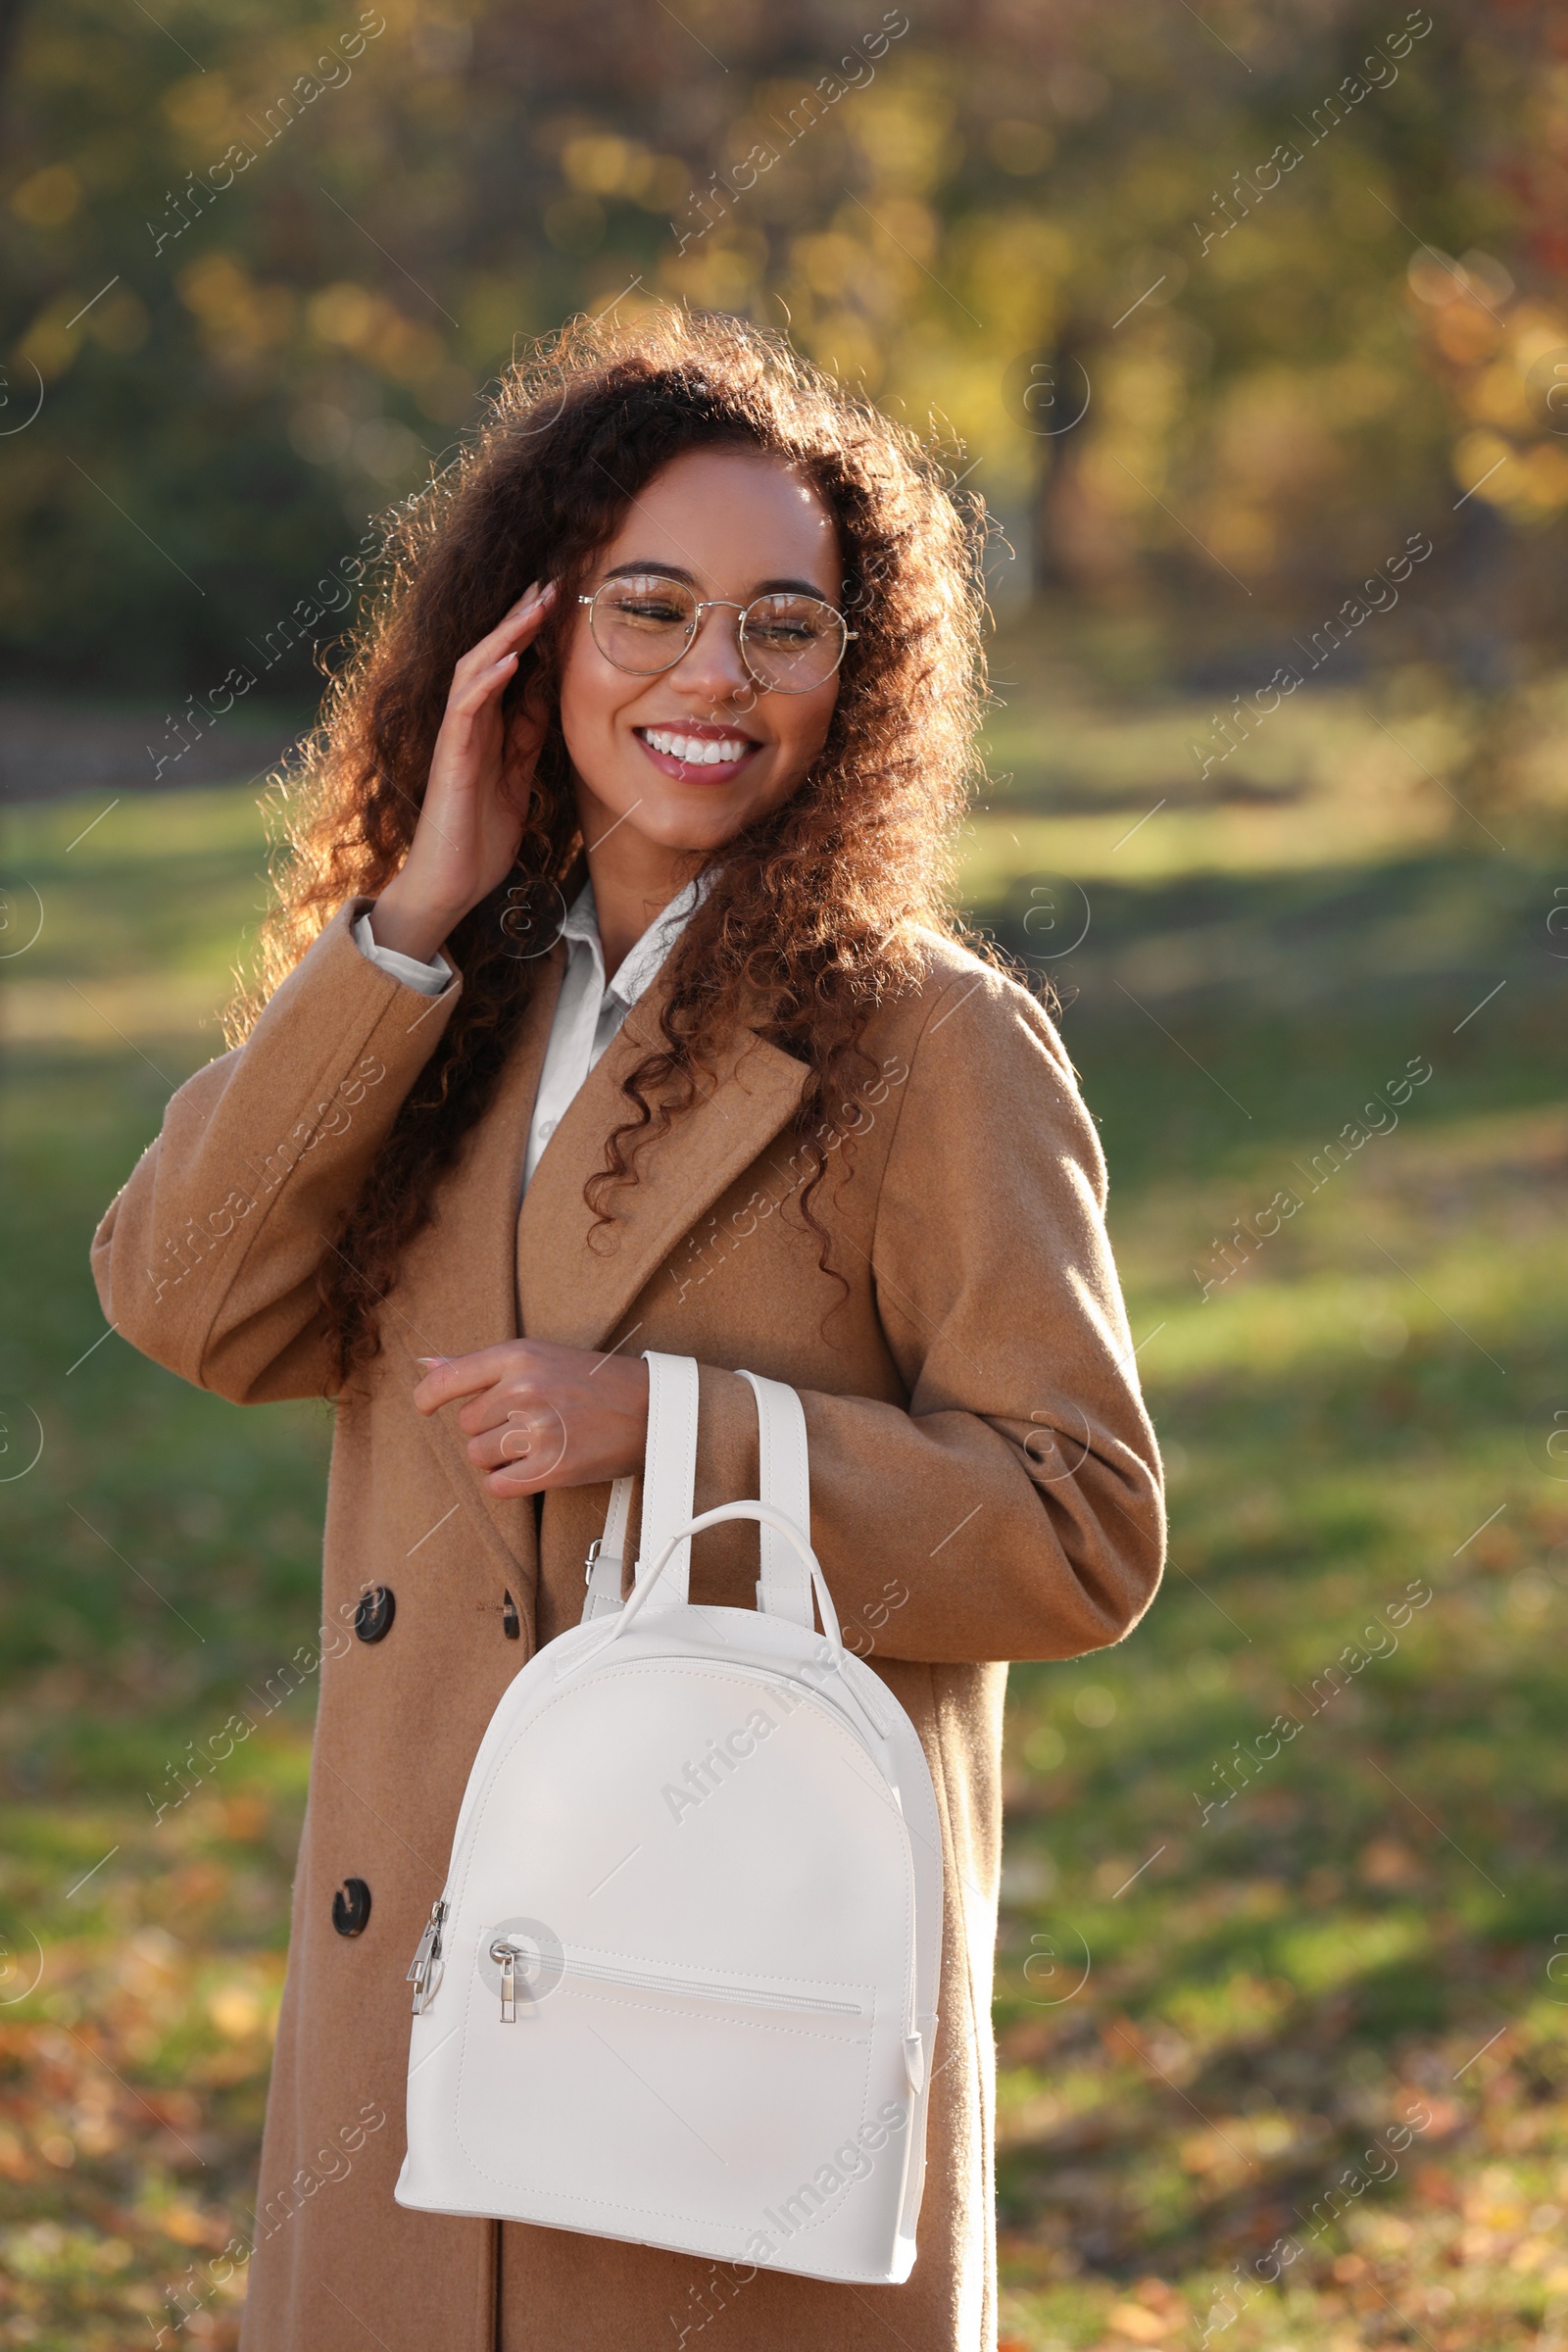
(645, 623)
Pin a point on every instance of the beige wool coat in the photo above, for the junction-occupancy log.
(985, 1487)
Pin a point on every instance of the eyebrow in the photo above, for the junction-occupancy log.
(678, 571)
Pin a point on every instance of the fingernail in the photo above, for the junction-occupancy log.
(431, 1361)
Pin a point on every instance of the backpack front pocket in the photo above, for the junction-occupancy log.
(678, 2096)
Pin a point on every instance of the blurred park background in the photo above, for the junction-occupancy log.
(1250, 327)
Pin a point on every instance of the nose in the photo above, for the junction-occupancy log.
(711, 664)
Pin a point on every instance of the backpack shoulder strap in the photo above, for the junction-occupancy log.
(669, 1480)
(607, 1555)
(669, 1473)
(785, 1586)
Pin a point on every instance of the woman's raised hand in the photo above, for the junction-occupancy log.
(468, 830)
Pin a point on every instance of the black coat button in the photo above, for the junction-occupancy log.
(351, 1907)
(372, 1619)
(511, 1622)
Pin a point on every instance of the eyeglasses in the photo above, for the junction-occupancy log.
(645, 621)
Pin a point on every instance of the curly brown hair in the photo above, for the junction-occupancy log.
(815, 910)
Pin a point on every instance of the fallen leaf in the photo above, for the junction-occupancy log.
(1137, 2321)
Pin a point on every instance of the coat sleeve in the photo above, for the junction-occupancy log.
(206, 1261)
(1014, 1509)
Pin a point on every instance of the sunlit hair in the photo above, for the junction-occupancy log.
(815, 915)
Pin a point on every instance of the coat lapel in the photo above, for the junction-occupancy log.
(458, 1289)
(576, 1289)
(480, 1273)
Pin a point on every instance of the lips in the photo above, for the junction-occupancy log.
(697, 754)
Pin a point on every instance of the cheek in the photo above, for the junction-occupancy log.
(587, 698)
(799, 735)
(592, 698)
(803, 726)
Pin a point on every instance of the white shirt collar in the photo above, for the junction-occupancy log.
(642, 961)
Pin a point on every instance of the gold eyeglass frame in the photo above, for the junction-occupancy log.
(708, 605)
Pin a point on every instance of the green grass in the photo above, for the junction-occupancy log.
(1206, 2020)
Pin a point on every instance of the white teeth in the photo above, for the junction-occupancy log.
(697, 751)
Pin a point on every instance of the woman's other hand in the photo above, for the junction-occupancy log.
(469, 827)
(540, 1416)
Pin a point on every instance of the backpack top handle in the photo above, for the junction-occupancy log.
(830, 1654)
(765, 1516)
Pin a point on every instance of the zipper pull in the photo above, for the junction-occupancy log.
(506, 1955)
(424, 1969)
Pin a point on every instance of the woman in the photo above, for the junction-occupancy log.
(622, 1011)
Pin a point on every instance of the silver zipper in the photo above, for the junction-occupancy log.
(425, 1969)
(646, 1982)
(506, 1955)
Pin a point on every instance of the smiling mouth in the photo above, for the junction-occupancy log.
(680, 749)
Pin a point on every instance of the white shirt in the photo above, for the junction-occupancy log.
(589, 1009)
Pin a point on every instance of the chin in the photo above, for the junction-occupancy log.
(693, 828)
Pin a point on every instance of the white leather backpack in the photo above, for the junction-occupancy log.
(681, 1985)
